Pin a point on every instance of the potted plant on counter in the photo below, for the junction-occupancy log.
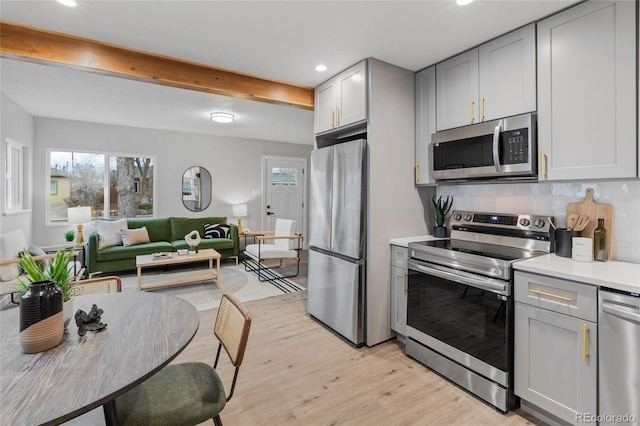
(56, 269)
(441, 209)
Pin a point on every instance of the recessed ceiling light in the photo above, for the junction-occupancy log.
(70, 3)
(321, 68)
(222, 117)
(463, 2)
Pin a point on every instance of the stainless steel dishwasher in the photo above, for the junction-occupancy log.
(619, 351)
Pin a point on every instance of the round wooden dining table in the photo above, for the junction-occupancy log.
(144, 332)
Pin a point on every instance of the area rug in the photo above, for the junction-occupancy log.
(205, 295)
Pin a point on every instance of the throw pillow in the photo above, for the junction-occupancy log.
(132, 237)
(37, 251)
(109, 232)
(217, 230)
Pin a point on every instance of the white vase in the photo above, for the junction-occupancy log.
(67, 312)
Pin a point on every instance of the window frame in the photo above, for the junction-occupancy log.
(106, 179)
(22, 175)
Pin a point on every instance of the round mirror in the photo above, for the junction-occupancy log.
(196, 188)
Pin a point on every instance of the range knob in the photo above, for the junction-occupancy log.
(525, 222)
(457, 216)
(467, 217)
(539, 223)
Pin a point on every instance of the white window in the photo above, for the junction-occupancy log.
(114, 186)
(17, 177)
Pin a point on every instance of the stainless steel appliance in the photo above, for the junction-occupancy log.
(618, 350)
(460, 299)
(336, 286)
(505, 148)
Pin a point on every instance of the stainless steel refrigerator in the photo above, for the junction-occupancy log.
(337, 238)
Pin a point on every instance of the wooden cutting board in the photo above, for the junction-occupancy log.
(595, 211)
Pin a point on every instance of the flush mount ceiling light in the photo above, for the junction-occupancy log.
(321, 68)
(222, 117)
(463, 2)
(70, 3)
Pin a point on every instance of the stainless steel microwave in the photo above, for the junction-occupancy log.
(505, 148)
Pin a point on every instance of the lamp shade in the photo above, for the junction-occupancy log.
(78, 215)
(239, 210)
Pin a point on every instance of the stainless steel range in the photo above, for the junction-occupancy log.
(460, 299)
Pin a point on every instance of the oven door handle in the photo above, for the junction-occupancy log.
(488, 284)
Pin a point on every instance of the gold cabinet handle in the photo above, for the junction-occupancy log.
(337, 117)
(333, 117)
(417, 173)
(543, 165)
(404, 282)
(555, 296)
(585, 354)
(472, 104)
(482, 109)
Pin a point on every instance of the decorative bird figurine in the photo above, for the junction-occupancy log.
(89, 322)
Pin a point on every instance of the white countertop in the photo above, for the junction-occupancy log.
(404, 242)
(613, 274)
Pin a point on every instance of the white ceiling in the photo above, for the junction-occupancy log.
(279, 40)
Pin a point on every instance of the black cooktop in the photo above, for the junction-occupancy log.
(481, 249)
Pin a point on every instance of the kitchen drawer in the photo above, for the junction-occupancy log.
(399, 257)
(566, 297)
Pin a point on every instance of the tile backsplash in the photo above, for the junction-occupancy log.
(551, 199)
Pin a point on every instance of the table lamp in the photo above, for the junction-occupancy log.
(239, 211)
(78, 216)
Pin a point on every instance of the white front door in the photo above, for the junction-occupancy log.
(284, 189)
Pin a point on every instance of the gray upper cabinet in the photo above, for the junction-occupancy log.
(587, 92)
(507, 68)
(342, 100)
(457, 90)
(425, 123)
(495, 80)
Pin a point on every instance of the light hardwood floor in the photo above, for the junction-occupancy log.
(297, 372)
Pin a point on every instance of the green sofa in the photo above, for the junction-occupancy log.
(165, 235)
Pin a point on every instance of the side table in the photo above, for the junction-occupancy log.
(82, 247)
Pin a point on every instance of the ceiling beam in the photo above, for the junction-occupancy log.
(50, 48)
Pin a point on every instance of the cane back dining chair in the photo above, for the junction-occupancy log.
(190, 393)
(285, 244)
(111, 284)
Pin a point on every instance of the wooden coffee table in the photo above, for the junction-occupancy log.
(148, 261)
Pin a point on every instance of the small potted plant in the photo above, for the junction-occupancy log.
(69, 236)
(56, 269)
(441, 209)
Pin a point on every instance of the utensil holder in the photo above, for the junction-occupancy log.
(564, 241)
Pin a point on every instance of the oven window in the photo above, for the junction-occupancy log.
(467, 318)
(464, 154)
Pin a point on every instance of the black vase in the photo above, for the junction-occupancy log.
(41, 317)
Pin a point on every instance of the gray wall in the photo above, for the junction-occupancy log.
(17, 124)
(235, 166)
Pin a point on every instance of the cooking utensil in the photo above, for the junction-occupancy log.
(572, 219)
(582, 223)
(551, 222)
(594, 210)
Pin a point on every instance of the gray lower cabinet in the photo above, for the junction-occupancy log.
(399, 289)
(556, 355)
